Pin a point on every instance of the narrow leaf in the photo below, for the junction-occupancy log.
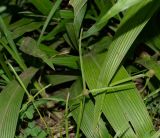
(11, 43)
(79, 12)
(29, 46)
(124, 109)
(51, 13)
(132, 24)
(11, 98)
(87, 119)
(44, 6)
(121, 5)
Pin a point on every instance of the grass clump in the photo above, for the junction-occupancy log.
(79, 68)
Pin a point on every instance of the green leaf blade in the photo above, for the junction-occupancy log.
(131, 26)
(120, 6)
(29, 46)
(11, 97)
(88, 117)
(124, 109)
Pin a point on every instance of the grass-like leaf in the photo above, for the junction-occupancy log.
(12, 48)
(88, 117)
(73, 29)
(67, 60)
(124, 109)
(11, 98)
(49, 17)
(44, 6)
(132, 24)
(79, 12)
(121, 5)
(59, 79)
(29, 46)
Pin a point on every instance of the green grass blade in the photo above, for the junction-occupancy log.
(59, 79)
(103, 6)
(49, 17)
(71, 35)
(68, 60)
(19, 31)
(12, 44)
(5, 68)
(79, 7)
(88, 117)
(124, 109)
(20, 23)
(29, 46)
(44, 6)
(66, 117)
(22, 26)
(120, 6)
(81, 61)
(4, 77)
(132, 24)
(73, 29)
(11, 98)
(82, 103)
(58, 29)
(11, 52)
(8, 35)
